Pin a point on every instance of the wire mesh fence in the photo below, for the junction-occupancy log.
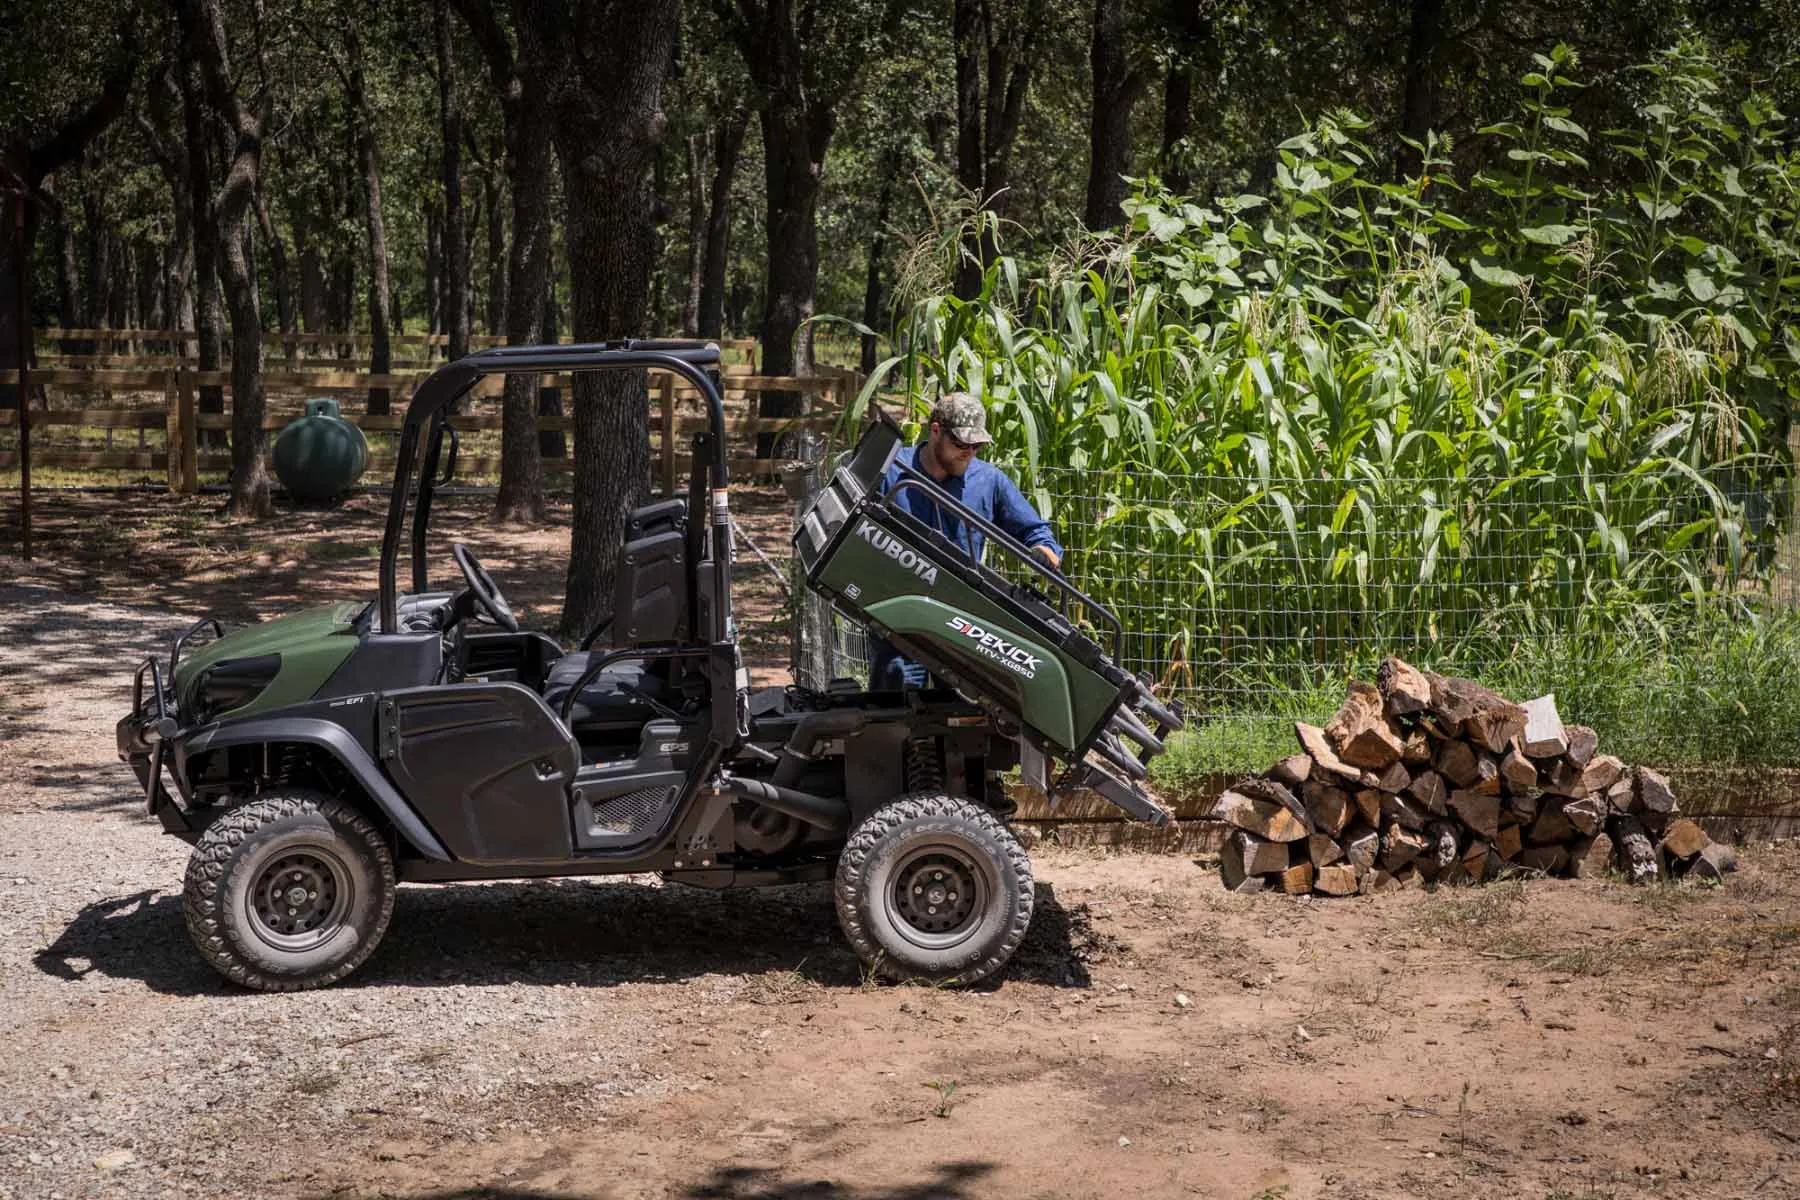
(1248, 597)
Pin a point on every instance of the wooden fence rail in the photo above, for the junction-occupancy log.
(167, 399)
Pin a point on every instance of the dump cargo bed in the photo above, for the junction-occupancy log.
(1039, 656)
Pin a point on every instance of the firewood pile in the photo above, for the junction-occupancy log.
(1428, 778)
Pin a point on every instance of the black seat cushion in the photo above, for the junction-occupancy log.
(612, 701)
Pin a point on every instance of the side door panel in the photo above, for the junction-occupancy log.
(486, 765)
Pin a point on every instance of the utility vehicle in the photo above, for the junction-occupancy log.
(316, 760)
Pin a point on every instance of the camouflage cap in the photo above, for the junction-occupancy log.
(963, 417)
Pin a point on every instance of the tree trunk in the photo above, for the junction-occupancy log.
(456, 240)
(494, 197)
(609, 122)
(728, 139)
(68, 281)
(1178, 113)
(551, 442)
(526, 121)
(281, 272)
(996, 53)
(1115, 90)
(794, 143)
(203, 24)
(696, 233)
(1419, 105)
(434, 271)
(874, 294)
(198, 118)
(369, 163)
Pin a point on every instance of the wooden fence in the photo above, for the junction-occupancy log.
(160, 393)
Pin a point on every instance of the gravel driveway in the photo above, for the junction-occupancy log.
(131, 1068)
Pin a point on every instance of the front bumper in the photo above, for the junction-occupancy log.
(146, 735)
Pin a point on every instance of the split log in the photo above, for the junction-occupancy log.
(1480, 861)
(1272, 792)
(1232, 875)
(1619, 795)
(1456, 761)
(1404, 688)
(1582, 744)
(1368, 805)
(1361, 847)
(1600, 773)
(1454, 701)
(1398, 810)
(1654, 796)
(1265, 818)
(1328, 805)
(1400, 846)
(1552, 826)
(1487, 775)
(1562, 778)
(1297, 880)
(1339, 880)
(1544, 736)
(1713, 861)
(1360, 731)
(1258, 857)
(1395, 778)
(1591, 858)
(1323, 850)
(1588, 814)
(1379, 880)
(1524, 808)
(1444, 848)
(1415, 749)
(1292, 771)
(1509, 842)
(1429, 790)
(1637, 857)
(1480, 813)
(1517, 772)
(1318, 746)
(1683, 839)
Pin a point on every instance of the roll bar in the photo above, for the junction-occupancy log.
(697, 362)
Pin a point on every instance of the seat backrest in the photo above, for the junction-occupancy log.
(650, 597)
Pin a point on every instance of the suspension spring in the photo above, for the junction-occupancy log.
(924, 766)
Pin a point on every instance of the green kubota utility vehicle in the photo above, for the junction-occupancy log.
(318, 759)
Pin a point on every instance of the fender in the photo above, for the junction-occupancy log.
(339, 743)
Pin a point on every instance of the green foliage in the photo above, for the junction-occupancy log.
(1285, 433)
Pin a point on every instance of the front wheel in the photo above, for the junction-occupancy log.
(291, 890)
(934, 888)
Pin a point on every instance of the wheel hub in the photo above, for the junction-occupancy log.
(299, 898)
(936, 892)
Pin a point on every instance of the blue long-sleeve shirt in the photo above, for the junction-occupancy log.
(983, 488)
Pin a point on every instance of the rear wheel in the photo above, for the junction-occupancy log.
(934, 888)
(291, 890)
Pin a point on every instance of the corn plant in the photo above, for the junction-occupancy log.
(1284, 433)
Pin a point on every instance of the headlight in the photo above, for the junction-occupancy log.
(231, 684)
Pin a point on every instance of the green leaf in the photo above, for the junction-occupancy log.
(1701, 285)
(1550, 235)
(1495, 276)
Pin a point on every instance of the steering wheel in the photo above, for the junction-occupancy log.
(483, 589)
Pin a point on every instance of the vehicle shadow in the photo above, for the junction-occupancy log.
(574, 932)
(947, 1181)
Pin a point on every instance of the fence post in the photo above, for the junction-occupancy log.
(666, 401)
(183, 437)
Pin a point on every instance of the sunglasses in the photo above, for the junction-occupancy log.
(958, 442)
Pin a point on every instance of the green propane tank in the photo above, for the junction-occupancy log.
(318, 456)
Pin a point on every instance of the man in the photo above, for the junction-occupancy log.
(950, 457)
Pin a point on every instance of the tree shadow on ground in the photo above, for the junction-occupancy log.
(574, 932)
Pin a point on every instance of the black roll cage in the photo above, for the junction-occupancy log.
(697, 362)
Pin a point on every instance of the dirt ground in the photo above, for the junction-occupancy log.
(620, 1038)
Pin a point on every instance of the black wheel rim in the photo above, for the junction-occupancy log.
(300, 897)
(937, 896)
